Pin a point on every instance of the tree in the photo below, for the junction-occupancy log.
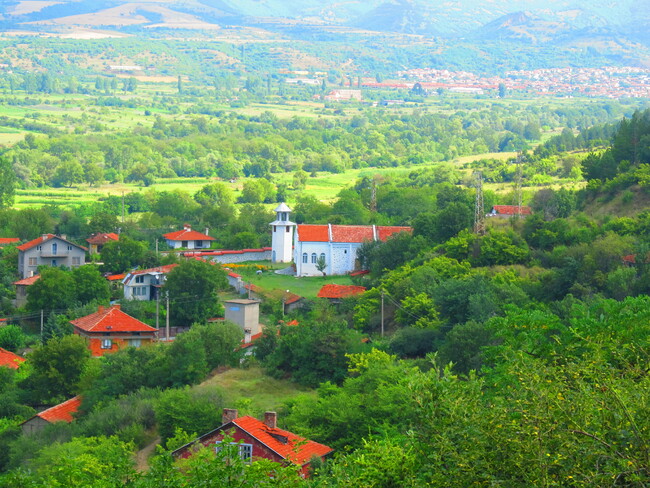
(321, 264)
(90, 285)
(7, 183)
(57, 367)
(55, 289)
(192, 287)
(122, 255)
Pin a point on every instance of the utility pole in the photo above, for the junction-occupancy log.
(479, 211)
(156, 247)
(167, 320)
(157, 308)
(382, 313)
(41, 325)
(373, 196)
(122, 206)
(518, 192)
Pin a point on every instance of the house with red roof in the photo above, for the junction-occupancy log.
(5, 241)
(21, 290)
(188, 239)
(49, 250)
(144, 284)
(505, 211)
(10, 360)
(258, 439)
(97, 241)
(336, 246)
(109, 329)
(63, 412)
(335, 293)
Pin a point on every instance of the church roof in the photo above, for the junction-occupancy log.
(347, 233)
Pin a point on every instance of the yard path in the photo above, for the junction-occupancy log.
(143, 455)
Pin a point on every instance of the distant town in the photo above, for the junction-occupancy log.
(609, 82)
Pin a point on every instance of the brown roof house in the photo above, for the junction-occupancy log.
(97, 241)
(261, 440)
(63, 412)
(109, 329)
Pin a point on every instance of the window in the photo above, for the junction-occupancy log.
(39, 248)
(139, 279)
(313, 258)
(32, 261)
(198, 244)
(245, 450)
(69, 248)
(322, 256)
(275, 228)
(304, 257)
(183, 243)
(135, 342)
(107, 343)
(54, 263)
(55, 248)
(76, 261)
(288, 229)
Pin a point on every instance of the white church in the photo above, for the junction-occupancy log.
(337, 245)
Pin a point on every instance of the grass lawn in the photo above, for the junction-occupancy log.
(252, 391)
(305, 286)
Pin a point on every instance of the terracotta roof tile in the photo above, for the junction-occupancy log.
(8, 240)
(116, 277)
(102, 238)
(292, 298)
(384, 231)
(510, 210)
(312, 233)
(9, 359)
(352, 233)
(61, 412)
(42, 239)
(254, 337)
(187, 235)
(27, 281)
(111, 319)
(297, 449)
(333, 290)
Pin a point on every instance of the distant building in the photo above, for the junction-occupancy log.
(246, 314)
(10, 360)
(337, 245)
(63, 412)
(258, 439)
(335, 293)
(188, 239)
(144, 284)
(49, 250)
(109, 329)
(96, 241)
(4, 241)
(509, 210)
(21, 290)
(343, 95)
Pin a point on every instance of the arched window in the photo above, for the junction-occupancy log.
(322, 256)
(304, 257)
(313, 258)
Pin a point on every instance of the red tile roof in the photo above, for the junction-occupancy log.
(312, 233)
(187, 234)
(361, 272)
(385, 231)
(61, 412)
(510, 210)
(102, 238)
(348, 233)
(27, 281)
(333, 290)
(254, 337)
(223, 252)
(158, 269)
(8, 240)
(45, 238)
(9, 359)
(292, 298)
(116, 277)
(111, 319)
(296, 449)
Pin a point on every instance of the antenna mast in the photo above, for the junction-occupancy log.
(479, 211)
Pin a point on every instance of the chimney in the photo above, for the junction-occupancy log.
(117, 306)
(271, 419)
(187, 227)
(229, 414)
(207, 231)
(64, 237)
(45, 237)
(100, 309)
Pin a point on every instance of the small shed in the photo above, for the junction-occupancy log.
(63, 412)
